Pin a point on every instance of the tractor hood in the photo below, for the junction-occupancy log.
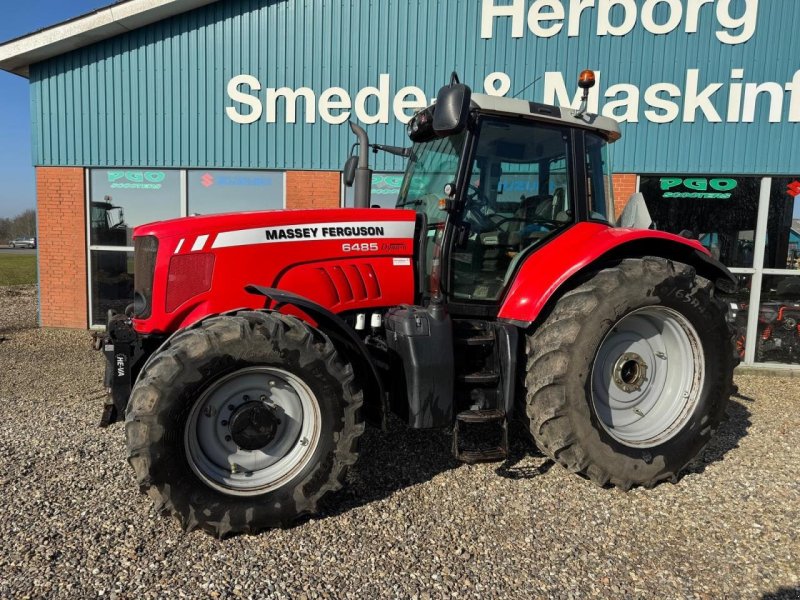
(343, 259)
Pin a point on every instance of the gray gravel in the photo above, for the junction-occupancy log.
(411, 524)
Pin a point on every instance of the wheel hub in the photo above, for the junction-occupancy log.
(630, 372)
(253, 425)
(647, 376)
(252, 430)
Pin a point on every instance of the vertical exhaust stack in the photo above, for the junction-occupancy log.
(363, 174)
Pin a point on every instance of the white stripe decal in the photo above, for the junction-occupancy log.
(199, 243)
(304, 232)
(179, 246)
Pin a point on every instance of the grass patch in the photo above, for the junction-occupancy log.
(17, 270)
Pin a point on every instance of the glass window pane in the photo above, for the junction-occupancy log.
(122, 199)
(738, 304)
(779, 320)
(598, 181)
(385, 189)
(431, 167)
(783, 225)
(519, 196)
(111, 283)
(212, 192)
(721, 211)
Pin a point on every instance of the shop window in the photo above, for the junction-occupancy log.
(720, 211)
(211, 192)
(111, 282)
(783, 225)
(121, 199)
(384, 192)
(738, 304)
(779, 320)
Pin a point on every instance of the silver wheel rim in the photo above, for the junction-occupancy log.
(210, 442)
(647, 376)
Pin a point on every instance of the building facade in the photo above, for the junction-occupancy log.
(149, 110)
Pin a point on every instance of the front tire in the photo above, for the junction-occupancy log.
(244, 422)
(629, 374)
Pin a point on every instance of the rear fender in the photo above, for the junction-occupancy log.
(587, 247)
(345, 340)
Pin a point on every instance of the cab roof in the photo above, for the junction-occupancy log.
(605, 126)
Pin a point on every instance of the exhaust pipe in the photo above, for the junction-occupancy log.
(362, 184)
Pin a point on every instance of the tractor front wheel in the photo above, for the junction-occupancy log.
(629, 374)
(244, 422)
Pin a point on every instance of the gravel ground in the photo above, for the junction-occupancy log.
(411, 524)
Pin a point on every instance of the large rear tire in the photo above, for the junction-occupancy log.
(630, 373)
(243, 423)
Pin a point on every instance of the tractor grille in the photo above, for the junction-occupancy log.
(145, 249)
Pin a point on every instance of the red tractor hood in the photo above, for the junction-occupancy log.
(343, 259)
(207, 224)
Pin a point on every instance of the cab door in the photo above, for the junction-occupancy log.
(518, 195)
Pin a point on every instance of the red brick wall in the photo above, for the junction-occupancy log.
(61, 201)
(313, 189)
(624, 185)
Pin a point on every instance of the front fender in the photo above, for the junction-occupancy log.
(544, 274)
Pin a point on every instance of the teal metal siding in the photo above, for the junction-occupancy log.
(157, 96)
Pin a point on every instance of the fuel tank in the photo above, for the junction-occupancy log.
(344, 259)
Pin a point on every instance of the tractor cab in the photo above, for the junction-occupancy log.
(493, 179)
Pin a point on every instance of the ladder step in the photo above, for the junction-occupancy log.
(482, 455)
(481, 416)
(478, 340)
(472, 420)
(480, 378)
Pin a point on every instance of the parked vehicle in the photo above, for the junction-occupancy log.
(259, 344)
(23, 242)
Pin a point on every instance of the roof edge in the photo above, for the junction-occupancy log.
(17, 55)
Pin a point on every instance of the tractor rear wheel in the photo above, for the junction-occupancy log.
(630, 373)
(243, 423)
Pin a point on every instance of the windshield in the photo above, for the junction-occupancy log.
(432, 166)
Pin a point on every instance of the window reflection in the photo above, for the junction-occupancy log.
(384, 192)
(222, 191)
(122, 199)
(783, 225)
(112, 283)
(779, 320)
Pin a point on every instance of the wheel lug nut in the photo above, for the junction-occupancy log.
(246, 398)
(263, 398)
(231, 407)
(227, 438)
(224, 423)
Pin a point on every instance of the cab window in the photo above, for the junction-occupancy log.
(518, 196)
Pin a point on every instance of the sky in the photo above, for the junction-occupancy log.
(18, 189)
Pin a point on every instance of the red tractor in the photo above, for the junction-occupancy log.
(259, 344)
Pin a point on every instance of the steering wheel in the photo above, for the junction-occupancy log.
(475, 204)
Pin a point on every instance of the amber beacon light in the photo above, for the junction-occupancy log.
(585, 82)
(586, 79)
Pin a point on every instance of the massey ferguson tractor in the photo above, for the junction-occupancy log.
(259, 344)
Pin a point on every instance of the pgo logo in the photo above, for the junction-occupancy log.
(697, 187)
(793, 189)
(207, 180)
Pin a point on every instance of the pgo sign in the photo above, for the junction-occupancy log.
(697, 187)
(136, 180)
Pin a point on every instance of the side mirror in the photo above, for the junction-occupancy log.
(452, 108)
(349, 172)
